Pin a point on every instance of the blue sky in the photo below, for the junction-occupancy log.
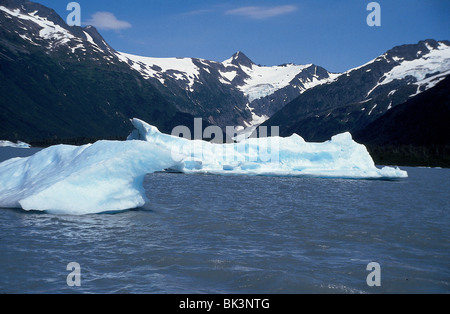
(330, 33)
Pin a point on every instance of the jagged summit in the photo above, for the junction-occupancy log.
(240, 59)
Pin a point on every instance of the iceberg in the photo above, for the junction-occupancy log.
(108, 176)
(19, 144)
(105, 176)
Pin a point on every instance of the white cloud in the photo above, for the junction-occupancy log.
(198, 12)
(259, 13)
(107, 21)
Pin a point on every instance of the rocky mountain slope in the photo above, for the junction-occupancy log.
(415, 133)
(59, 82)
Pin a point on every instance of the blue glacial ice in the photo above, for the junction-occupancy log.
(108, 175)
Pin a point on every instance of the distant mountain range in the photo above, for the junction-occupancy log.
(359, 96)
(396, 104)
(61, 83)
(236, 92)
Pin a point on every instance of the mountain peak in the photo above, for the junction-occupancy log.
(240, 59)
(42, 26)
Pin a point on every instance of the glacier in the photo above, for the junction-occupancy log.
(108, 176)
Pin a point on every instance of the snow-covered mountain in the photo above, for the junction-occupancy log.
(257, 81)
(65, 84)
(357, 97)
(240, 93)
(429, 65)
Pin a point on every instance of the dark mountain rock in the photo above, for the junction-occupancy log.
(422, 120)
(415, 133)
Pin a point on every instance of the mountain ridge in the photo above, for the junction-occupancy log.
(414, 133)
(255, 91)
(60, 83)
(360, 95)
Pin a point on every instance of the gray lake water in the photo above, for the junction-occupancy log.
(214, 234)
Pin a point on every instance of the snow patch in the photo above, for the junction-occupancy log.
(264, 81)
(392, 92)
(229, 76)
(256, 119)
(28, 39)
(437, 60)
(373, 108)
(49, 30)
(390, 106)
(184, 67)
(79, 46)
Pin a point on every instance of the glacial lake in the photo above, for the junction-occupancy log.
(258, 235)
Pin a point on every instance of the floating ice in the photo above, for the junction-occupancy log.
(105, 176)
(19, 144)
(109, 175)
